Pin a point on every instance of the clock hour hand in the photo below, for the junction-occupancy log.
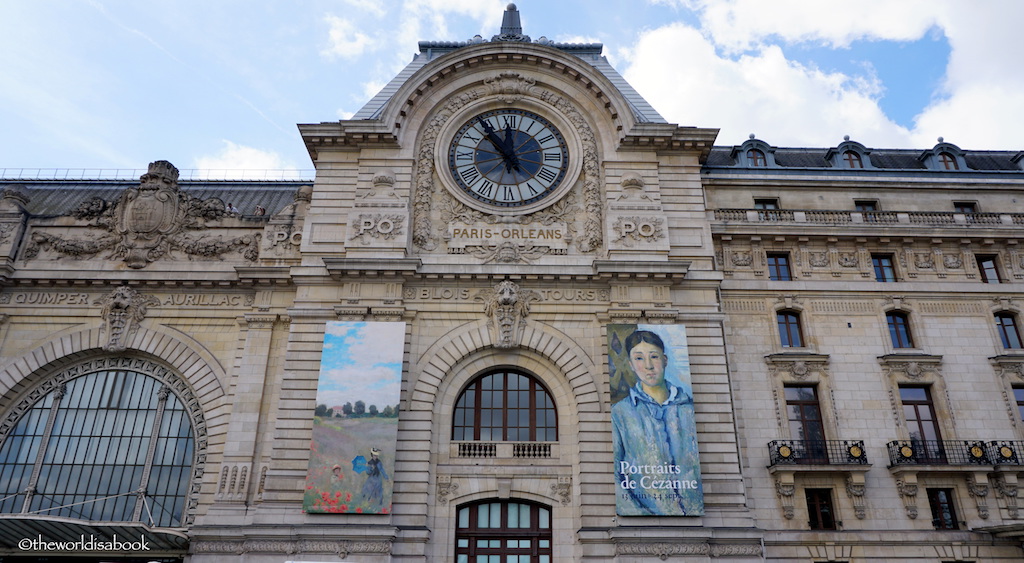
(512, 162)
(494, 138)
(504, 147)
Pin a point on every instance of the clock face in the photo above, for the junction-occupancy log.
(508, 157)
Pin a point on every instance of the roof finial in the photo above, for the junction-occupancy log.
(511, 28)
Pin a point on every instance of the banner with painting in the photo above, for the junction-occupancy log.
(657, 468)
(355, 426)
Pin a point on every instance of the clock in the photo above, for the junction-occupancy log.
(508, 158)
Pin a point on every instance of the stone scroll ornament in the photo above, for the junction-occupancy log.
(506, 306)
(147, 223)
(507, 85)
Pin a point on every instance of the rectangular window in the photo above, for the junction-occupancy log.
(1006, 324)
(805, 423)
(922, 424)
(765, 203)
(778, 266)
(865, 205)
(884, 270)
(988, 268)
(943, 512)
(1018, 397)
(965, 207)
(899, 330)
(789, 329)
(820, 513)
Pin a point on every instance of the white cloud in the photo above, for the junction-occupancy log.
(345, 41)
(375, 7)
(783, 102)
(236, 161)
(733, 74)
(743, 24)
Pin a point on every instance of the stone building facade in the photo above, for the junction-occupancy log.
(849, 314)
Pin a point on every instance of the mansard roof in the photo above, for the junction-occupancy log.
(881, 159)
(511, 33)
(52, 198)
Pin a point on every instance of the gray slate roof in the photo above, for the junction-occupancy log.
(58, 197)
(589, 53)
(891, 159)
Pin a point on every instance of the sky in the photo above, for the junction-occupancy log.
(361, 362)
(219, 85)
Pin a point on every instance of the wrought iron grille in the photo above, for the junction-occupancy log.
(817, 452)
(939, 452)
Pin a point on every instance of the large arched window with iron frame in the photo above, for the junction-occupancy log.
(505, 406)
(110, 440)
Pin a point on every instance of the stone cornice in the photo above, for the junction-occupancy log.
(346, 136)
(667, 137)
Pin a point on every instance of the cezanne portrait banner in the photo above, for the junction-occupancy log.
(654, 438)
(355, 426)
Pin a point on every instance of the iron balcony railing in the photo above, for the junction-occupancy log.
(817, 452)
(941, 452)
(845, 217)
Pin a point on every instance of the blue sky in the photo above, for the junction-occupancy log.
(221, 84)
(361, 362)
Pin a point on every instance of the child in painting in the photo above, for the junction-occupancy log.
(654, 438)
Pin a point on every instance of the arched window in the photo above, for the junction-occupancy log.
(1006, 324)
(756, 158)
(790, 332)
(853, 160)
(505, 406)
(899, 330)
(500, 532)
(85, 449)
(948, 161)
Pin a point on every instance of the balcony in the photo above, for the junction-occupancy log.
(830, 217)
(816, 452)
(791, 460)
(504, 450)
(941, 452)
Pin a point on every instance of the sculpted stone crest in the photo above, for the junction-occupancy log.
(147, 223)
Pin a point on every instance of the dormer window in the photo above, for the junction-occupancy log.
(850, 155)
(853, 160)
(754, 153)
(948, 161)
(944, 157)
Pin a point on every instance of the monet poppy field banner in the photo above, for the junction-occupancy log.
(355, 425)
(654, 437)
